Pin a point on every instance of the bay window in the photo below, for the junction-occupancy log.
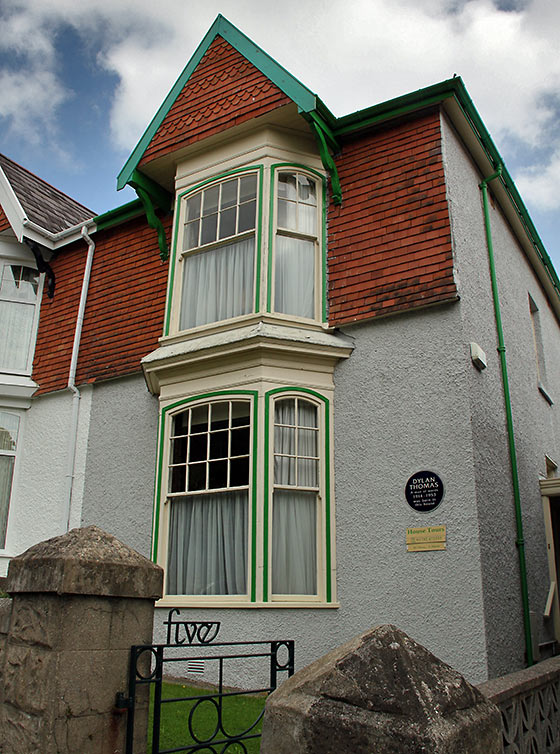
(246, 504)
(219, 253)
(19, 288)
(295, 496)
(209, 499)
(9, 427)
(296, 244)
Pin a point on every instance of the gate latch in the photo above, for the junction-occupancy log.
(122, 701)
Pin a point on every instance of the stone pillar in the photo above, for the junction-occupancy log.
(384, 693)
(79, 602)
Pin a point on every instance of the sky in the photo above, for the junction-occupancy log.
(80, 80)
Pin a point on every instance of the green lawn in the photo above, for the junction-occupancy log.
(238, 714)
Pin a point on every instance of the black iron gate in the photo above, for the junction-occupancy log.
(189, 645)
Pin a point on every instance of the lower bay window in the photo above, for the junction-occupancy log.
(245, 503)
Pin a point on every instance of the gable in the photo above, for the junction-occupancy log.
(225, 90)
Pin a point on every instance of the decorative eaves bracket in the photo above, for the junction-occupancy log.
(150, 194)
(325, 139)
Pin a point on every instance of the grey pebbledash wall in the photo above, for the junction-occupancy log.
(120, 469)
(537, 428)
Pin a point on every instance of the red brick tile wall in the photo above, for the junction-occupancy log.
(223, 91)
(4, 224)
(124, 311)
(389, 243)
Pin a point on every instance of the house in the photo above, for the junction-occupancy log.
(311, 371)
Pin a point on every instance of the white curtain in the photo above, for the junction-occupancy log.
(294, 545)
(294, 276)
(294, 512)
(15, 334)
(218, 284)
(6, 469)
(207, 551)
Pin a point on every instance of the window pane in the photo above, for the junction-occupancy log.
(208, 544)
(218, 284)
(179, 450)
(287, 186)
(307, 473)
(285, 440)
(220, 415)
(294, 277)
(191, 235)
(199, 421)
(239, 472)
(229, 194)
(198, 447)
(307, 414)
(197, 477)
(193, 207)
(307, 442)
(240, 441)
(6, 472)
(219, 444)
(17, 326)
(209, 228)
(287, 214)
(307, 190)
(19, 282)
(248, 187)
(240, 413)
(228, 219)
(285, 411)
(217, 474)
(180, 423)
(178, 477)
(210, 203)
(307, 219)
(294, 542)
(9, 427)
(246, 216)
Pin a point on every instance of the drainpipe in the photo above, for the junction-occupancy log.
(520, 541)
(73, 437)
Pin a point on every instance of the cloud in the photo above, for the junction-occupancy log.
(353, 54)
(540, 184)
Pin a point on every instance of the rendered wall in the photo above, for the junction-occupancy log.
(536, 422)
(120, 469)
(39, 503)
(401, 405)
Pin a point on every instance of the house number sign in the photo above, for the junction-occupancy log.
(424, 491)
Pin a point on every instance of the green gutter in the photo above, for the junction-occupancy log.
(520, 542)
(118, 215)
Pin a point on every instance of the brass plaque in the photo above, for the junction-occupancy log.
(425, 538)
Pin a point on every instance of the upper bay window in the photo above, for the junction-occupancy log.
(296, 245)
(219, 252)
(236, 261)
(19, 289)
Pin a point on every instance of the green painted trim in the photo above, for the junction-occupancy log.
(520, 542)
(157, 193)
(294, 89)
(271, 235)
(266, 502)
(154, 222)
(328, 163)
(119, 215)
(259, 169)
(159, 471)
(314, 119)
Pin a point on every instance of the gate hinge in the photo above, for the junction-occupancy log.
(122, 701)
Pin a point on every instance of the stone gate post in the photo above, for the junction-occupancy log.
(79, 602)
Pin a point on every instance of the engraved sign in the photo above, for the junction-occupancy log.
(424, 491)
(425, 538)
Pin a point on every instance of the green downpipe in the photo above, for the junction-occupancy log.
(520, 541)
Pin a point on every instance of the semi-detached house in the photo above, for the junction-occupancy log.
(311, 371)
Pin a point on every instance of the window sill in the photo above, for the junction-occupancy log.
(181, 602)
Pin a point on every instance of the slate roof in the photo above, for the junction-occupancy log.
(43, 204)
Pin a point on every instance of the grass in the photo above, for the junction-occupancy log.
(238, 714)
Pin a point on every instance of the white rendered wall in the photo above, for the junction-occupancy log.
(536, 422)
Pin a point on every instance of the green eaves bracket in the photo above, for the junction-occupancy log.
(322, 133)
(150, 193)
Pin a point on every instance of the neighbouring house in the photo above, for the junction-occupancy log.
(311, 370)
